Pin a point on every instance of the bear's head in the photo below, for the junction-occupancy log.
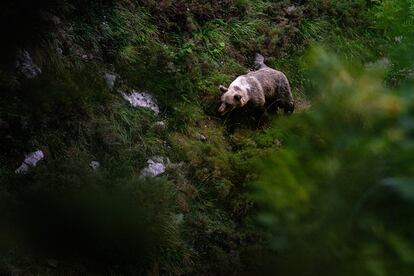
(233, 97)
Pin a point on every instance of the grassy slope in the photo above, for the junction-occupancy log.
(180, 51)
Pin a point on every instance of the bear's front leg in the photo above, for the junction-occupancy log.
(259, 115)
(288, 107)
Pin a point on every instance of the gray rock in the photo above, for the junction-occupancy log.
(201, 137)
(277, 142)
(291, 9)
(398, 39)
(88, 57)
(30, 161)
(380, 63)
(141, 99)
(156, 166)
(94, 165)
(105, 26)
(59, 51)
(110, 80)
(178, 218)
(160, 126)
(26, 66)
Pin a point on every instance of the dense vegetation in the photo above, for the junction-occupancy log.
(327, 190)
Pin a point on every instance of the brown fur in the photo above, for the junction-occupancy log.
(263, 88)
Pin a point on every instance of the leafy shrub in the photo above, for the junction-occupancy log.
(335, 197)
(396, 20)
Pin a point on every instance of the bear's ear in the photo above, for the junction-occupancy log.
(223, 88)
(237, 97)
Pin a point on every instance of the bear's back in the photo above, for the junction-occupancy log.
(272, 81)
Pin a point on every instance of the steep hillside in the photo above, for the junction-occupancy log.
(168, 189)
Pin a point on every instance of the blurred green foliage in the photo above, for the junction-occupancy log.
(337, 197)
(396, 19)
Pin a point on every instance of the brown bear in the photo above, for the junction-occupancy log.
(261, 89)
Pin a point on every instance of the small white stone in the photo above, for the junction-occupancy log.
(59, 51)
(156, 166)
(110, 80)
(30, 161)
(141, 99)
(159, 126)
(105, 26)
(291, 9)
(26, 66)
(178, 218)
(380, 63)
(23, 169)
(201, 137)
(94, 165)
(153, 169)
(277, 142)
